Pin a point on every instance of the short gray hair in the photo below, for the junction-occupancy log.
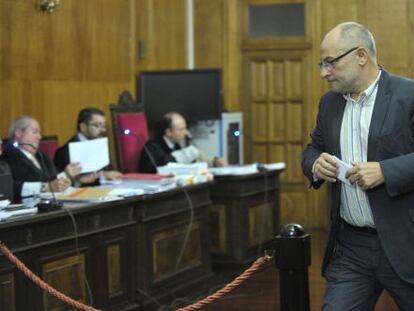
(20, 123)
(354, 34)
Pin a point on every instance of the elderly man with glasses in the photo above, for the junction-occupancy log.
(363, 146)
(91, 124)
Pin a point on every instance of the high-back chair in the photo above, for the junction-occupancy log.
(49, 145)
(130, 132)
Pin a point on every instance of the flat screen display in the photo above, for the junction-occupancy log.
(196, 94)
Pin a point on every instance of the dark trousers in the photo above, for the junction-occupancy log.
(359, 271)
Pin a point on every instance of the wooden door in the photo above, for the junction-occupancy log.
(276, 86)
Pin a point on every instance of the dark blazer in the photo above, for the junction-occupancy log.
(391, 143)
(61, 158)
(23, 170)
(155, 151)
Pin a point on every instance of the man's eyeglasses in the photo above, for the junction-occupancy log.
(328, 64)
(98, 125)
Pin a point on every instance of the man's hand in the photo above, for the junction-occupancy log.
(219, 162)
(112, 175)
(58, 185)
(73, 169)
(87, 178)
(202, 157)
(326, 167)
(366, 175)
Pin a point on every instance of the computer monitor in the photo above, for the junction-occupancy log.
(196, 94)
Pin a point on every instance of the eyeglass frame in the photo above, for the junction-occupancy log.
(98, 125)
(329, 64)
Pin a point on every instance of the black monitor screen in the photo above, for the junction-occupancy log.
(196, 94)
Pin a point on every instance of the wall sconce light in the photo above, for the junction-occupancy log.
(49, 6)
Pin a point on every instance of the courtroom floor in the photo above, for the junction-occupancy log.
(261, 291)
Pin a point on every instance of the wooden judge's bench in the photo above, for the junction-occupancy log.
(129, 253)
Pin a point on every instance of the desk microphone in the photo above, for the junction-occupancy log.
(128, 132)
(45, 205)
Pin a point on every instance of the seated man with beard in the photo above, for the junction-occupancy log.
(91, 124)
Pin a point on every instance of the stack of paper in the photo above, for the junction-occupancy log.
(88, 194)
(245, 169)
(235, 170)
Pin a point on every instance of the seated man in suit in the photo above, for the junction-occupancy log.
(171, 145)
(33, 172)
(91, 124)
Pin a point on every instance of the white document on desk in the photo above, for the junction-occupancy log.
(92, 154)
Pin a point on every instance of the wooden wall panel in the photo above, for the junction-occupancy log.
(167, 244)
(294, 84)
(218, 228)
(259, 115)
(392, 35)
(277, 122)
(277, 86)
(217, 44)
(277, 154)
(295, 208)
(259, 82)
(260, 224)
(83, 40)
(294, 130)
(53, 65)
(84, 54)
(334, 12)
(114, 270)
(209, 41)
(66, 275)
(7, 291)
(294, 153)
(259, 153)
(161, 27)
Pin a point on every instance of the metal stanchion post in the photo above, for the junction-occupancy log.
(292, 258)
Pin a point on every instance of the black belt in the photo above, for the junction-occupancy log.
(369, 230)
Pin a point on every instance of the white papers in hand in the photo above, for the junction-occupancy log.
(343, 168)
(91, 154)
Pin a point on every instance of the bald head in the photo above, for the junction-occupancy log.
(349, 35)
(348, 58)
(175, 126)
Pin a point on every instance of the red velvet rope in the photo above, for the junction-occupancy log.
(42, 284)
(229, 287)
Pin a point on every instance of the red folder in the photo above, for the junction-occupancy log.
(144, 176)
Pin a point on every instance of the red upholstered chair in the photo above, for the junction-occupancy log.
(49, 145)
(130, 132)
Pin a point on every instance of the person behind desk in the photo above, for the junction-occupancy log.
(171, 145)
(32, 170)
(91, 124)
